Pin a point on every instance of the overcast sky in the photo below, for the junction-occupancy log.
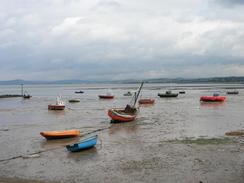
(120, 39)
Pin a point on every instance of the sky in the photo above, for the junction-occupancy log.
(120, 39)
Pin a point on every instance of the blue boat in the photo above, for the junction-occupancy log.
(84, 144)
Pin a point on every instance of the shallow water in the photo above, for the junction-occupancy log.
(176, 118)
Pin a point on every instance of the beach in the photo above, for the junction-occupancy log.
(175, 140)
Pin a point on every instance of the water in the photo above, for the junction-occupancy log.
(176, 118)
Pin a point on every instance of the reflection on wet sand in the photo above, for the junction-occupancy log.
(56, 112)
(49, 144)
(82, 155)
(212, 104)
(129, 127)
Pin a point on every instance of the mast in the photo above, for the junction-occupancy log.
(137, 94)
(22, 89)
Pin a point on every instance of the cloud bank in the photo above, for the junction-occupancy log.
(115, 39)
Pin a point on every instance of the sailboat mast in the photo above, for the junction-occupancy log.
(137, 95)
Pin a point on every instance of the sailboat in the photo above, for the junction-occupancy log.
(26, 95)
(126, 114)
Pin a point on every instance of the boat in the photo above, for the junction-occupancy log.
(167, 94)
(182, 92)
(128, 113)
(26, 95)
(60, 134)
(79, 92)
(74, 100)
(60, 105)
(214, 98)
(146, 101)
(108, 95)
(82, 145)
(235, 92)
(128, 94)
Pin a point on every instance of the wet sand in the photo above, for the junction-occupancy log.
(175, 140)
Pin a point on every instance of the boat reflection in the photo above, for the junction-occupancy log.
(49, 144)
(83, 155)
(129, 127)
(212, 104)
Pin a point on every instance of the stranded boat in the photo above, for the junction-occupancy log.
(214, 98)
(235, 92)
(26, 95)
(82, 145)
(60, 134)
(60, 105)
(146, 101)
(108, 95)
(128, 93)
(182, 92)
(79, 92)
(167, 94)
(126, 114)
(74, 100)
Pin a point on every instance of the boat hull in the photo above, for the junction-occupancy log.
(163, 95)
(106, 96)
(83, 145)
(117, 115)
(232, 92)
(56, 107)
(60, 134)
(146, 101)
(74, 100)
(212, 98)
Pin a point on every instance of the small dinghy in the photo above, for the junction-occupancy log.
(146, 101)
(82, 145)
(26, 95)
(182, 92)
(235, 92)
(60, 105)
(74, 100)
(108, 95)
(126, 114)
(167, 94)
(214, 98)
(128, 94)
(60, 134)
(79, 92)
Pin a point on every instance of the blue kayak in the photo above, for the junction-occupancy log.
(84, 144)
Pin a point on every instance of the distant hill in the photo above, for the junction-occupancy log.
(231, 79)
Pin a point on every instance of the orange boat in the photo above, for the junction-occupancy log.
(146, 101)
(119, 115)
(60, 134)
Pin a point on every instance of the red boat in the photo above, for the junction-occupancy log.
(120, 115)
(106, 96)
(146, 101)
(60, 105)
(126, 114)
(212, 98)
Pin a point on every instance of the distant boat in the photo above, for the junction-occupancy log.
(108, 95)
(82, 145)
(60, 105)
(79, 92)
(126, 114)
(26, 95)
(74, 100)
(214, 98)
(167, 94)
(128, 93)
(182, 92)
(235, 92)
(60, 134)
(146, 101)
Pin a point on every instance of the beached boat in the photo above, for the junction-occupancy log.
(167, 94)
(214, 98)
(79, 92)
(108, 95)
(235, 92)
(128, 94)
(26, 95)
(60, 105)
(82, 145)
(182, 92)
(60, 134)
(74, 100)
(126, 114)
(146, 101)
